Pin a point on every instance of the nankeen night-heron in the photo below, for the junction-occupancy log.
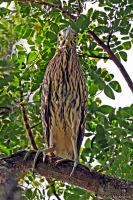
(64, 101)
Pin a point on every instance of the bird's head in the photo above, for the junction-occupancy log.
(66, 38)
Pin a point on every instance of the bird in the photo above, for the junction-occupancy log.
(64, 101)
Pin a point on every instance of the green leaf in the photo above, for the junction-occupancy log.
(124, 151)
(93, 89)
(115, 85)
(127, 45)
(28, 193)
(100, 130)
(95, 15)
(105, 109)
(73, 197)
(125, 38)
(125, 114)
(5, 150)
(55, 28)
(51, 36)
(85, 23)
(128, 10)
(85, 196)
(109, 77)
(124, 22)
(50, 191)
(88, 143)
(90, 11)
(79, 191)
(3, 63)
(16, 82)
(129, 144)
(35, 87)
(79, 22)
(25, 10)
(108, 92)
(31, 57)
(27, 33)
(123, 55)
(4, 11)
(19, 48)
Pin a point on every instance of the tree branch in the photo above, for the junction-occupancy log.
(95, 182)
(35, 125)
(57, 6)
(109, 37)
(26, 124)
(10, 109)
(86, 55)
(113, 58)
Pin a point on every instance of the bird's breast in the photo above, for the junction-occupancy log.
(64, 104)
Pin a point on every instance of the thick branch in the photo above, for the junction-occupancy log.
(95, 182)
(113, 58)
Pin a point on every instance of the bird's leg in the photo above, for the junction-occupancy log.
(76, 157)
(74, 143)
(45, 151)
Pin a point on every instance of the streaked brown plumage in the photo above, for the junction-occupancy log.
(64, 101)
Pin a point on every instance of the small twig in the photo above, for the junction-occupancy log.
(79, 7)
(26, 124)
(98, 93)
(35, 125)
(110, 34)
(51, 184)
(86, 55)
(10, 109)
(56, 195)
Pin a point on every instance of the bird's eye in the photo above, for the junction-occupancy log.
(74, 35)
(60, 34)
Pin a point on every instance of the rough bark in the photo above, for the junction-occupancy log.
(95, 182)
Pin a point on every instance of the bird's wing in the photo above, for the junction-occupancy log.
(45, 106)
(82, 86)
(46, 97)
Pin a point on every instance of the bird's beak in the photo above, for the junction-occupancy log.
(69, 33)
(68, 36)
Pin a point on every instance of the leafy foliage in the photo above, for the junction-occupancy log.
(22, 72)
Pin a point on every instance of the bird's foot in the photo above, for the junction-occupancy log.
(76, 162)
(36, 157)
